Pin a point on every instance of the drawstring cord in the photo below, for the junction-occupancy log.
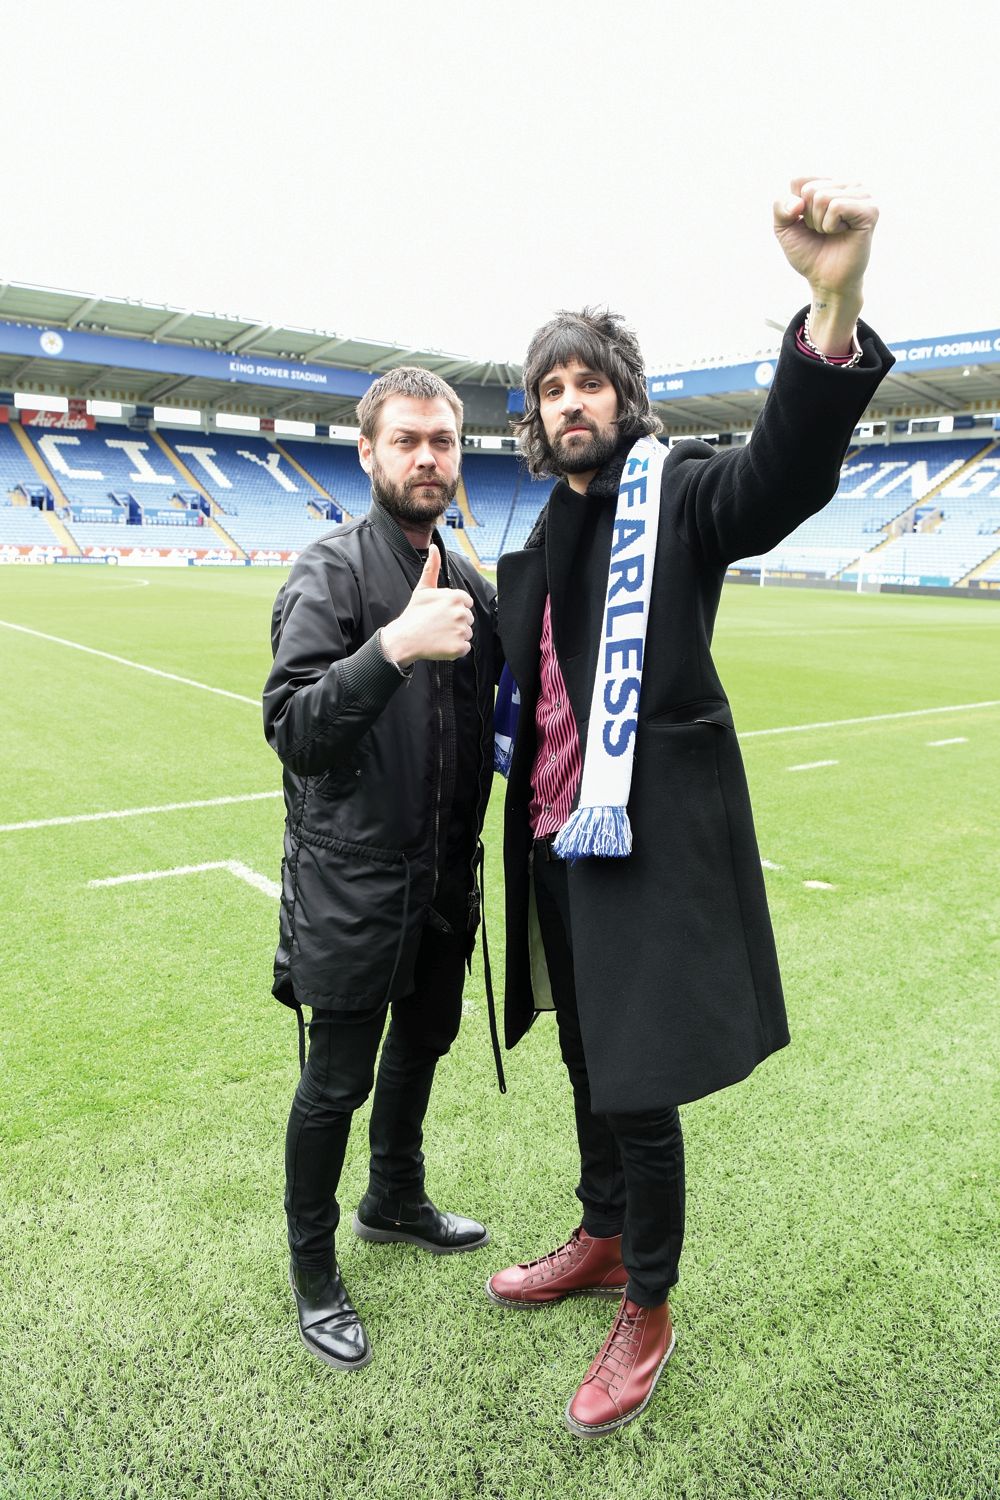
(488, 973)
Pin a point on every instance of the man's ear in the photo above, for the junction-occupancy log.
(365, 453)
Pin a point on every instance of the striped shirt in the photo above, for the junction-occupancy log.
(555, 774)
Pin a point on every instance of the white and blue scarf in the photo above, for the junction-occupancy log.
(600, 825)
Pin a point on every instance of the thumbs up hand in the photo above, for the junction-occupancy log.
(436, 625)
(431, 570)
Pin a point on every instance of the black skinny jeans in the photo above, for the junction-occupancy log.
(338, 1078)
(631, 1165)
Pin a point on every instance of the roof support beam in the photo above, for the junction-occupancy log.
(925, 390)
(82, 311)
(248, 336)
(328, 346)
(19, 370)
(170, 325)
(157, 393)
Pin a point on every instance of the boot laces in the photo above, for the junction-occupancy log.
(554, 1259)
(618, 1355)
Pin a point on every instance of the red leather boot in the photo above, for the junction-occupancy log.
(620, 1382)
(580, 1267)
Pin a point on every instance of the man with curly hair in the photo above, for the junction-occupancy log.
(635, 902)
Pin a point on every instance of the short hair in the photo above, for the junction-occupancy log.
(404, 380)
(601, 340)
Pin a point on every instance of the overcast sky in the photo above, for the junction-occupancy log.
(446, 175)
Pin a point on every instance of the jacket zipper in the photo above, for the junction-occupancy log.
(483, 753)
(440, 770)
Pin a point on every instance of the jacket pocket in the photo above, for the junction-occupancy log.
(701, 711)
(350, 922)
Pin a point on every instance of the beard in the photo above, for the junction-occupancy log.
(580, 457)
(406, 501)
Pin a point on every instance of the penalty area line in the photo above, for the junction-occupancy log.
(233, 866)
(907, 713)
(138, 666)
(137, 812)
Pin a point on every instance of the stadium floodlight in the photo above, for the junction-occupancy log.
(187, 416)
(35, 401)
(287, 427)
(236, 421)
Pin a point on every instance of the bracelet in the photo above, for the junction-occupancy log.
(405, 672)
(841, 362)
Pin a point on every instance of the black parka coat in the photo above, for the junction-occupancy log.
(676, 974)
(364, 764)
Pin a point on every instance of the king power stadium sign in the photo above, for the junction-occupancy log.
(916, 354)
(65, 344)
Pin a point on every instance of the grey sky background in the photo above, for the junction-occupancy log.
(446, 175)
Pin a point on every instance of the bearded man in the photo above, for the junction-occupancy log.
(379, 704)
(635, 903)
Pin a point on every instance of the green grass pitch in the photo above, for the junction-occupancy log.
(836, 1316)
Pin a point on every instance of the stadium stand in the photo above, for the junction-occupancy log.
(919, 509)
(21, 524)
(15, 467)
(530, 497)
(268, 504)
(24, 526)
(88, 465)
(490, 484)
(335, 469)
(504, 500)
(926, 559)
(923, 512)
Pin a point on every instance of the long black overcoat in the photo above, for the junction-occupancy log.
(676, 974)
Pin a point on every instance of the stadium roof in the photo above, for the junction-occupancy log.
(123, 318)
(714, 398)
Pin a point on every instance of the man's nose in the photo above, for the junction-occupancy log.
(570, 405)
(426, 457)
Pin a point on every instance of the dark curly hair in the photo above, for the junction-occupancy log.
(601, 340)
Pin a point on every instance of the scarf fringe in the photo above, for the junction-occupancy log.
(604, 831)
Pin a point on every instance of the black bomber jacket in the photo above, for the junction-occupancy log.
(375, 765)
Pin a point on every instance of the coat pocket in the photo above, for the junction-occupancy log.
(349, 922)
(701, 711)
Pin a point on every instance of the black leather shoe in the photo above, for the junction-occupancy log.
(390, 1221)
(329, 1326)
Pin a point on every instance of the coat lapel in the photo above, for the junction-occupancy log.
(521, 589)
(578, 545)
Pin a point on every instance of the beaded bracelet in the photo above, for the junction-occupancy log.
(841, 362)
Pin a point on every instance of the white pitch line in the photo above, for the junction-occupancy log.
(818, 885)
(136, 812)
(960, 739)
(259, 882)
(746, 734)
(138, 666)
(769, 864)
(215, 864)
(908, 713)
(234, 866)
(812, 765)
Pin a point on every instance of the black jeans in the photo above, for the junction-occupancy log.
(631, 1165)
(338, 1078)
